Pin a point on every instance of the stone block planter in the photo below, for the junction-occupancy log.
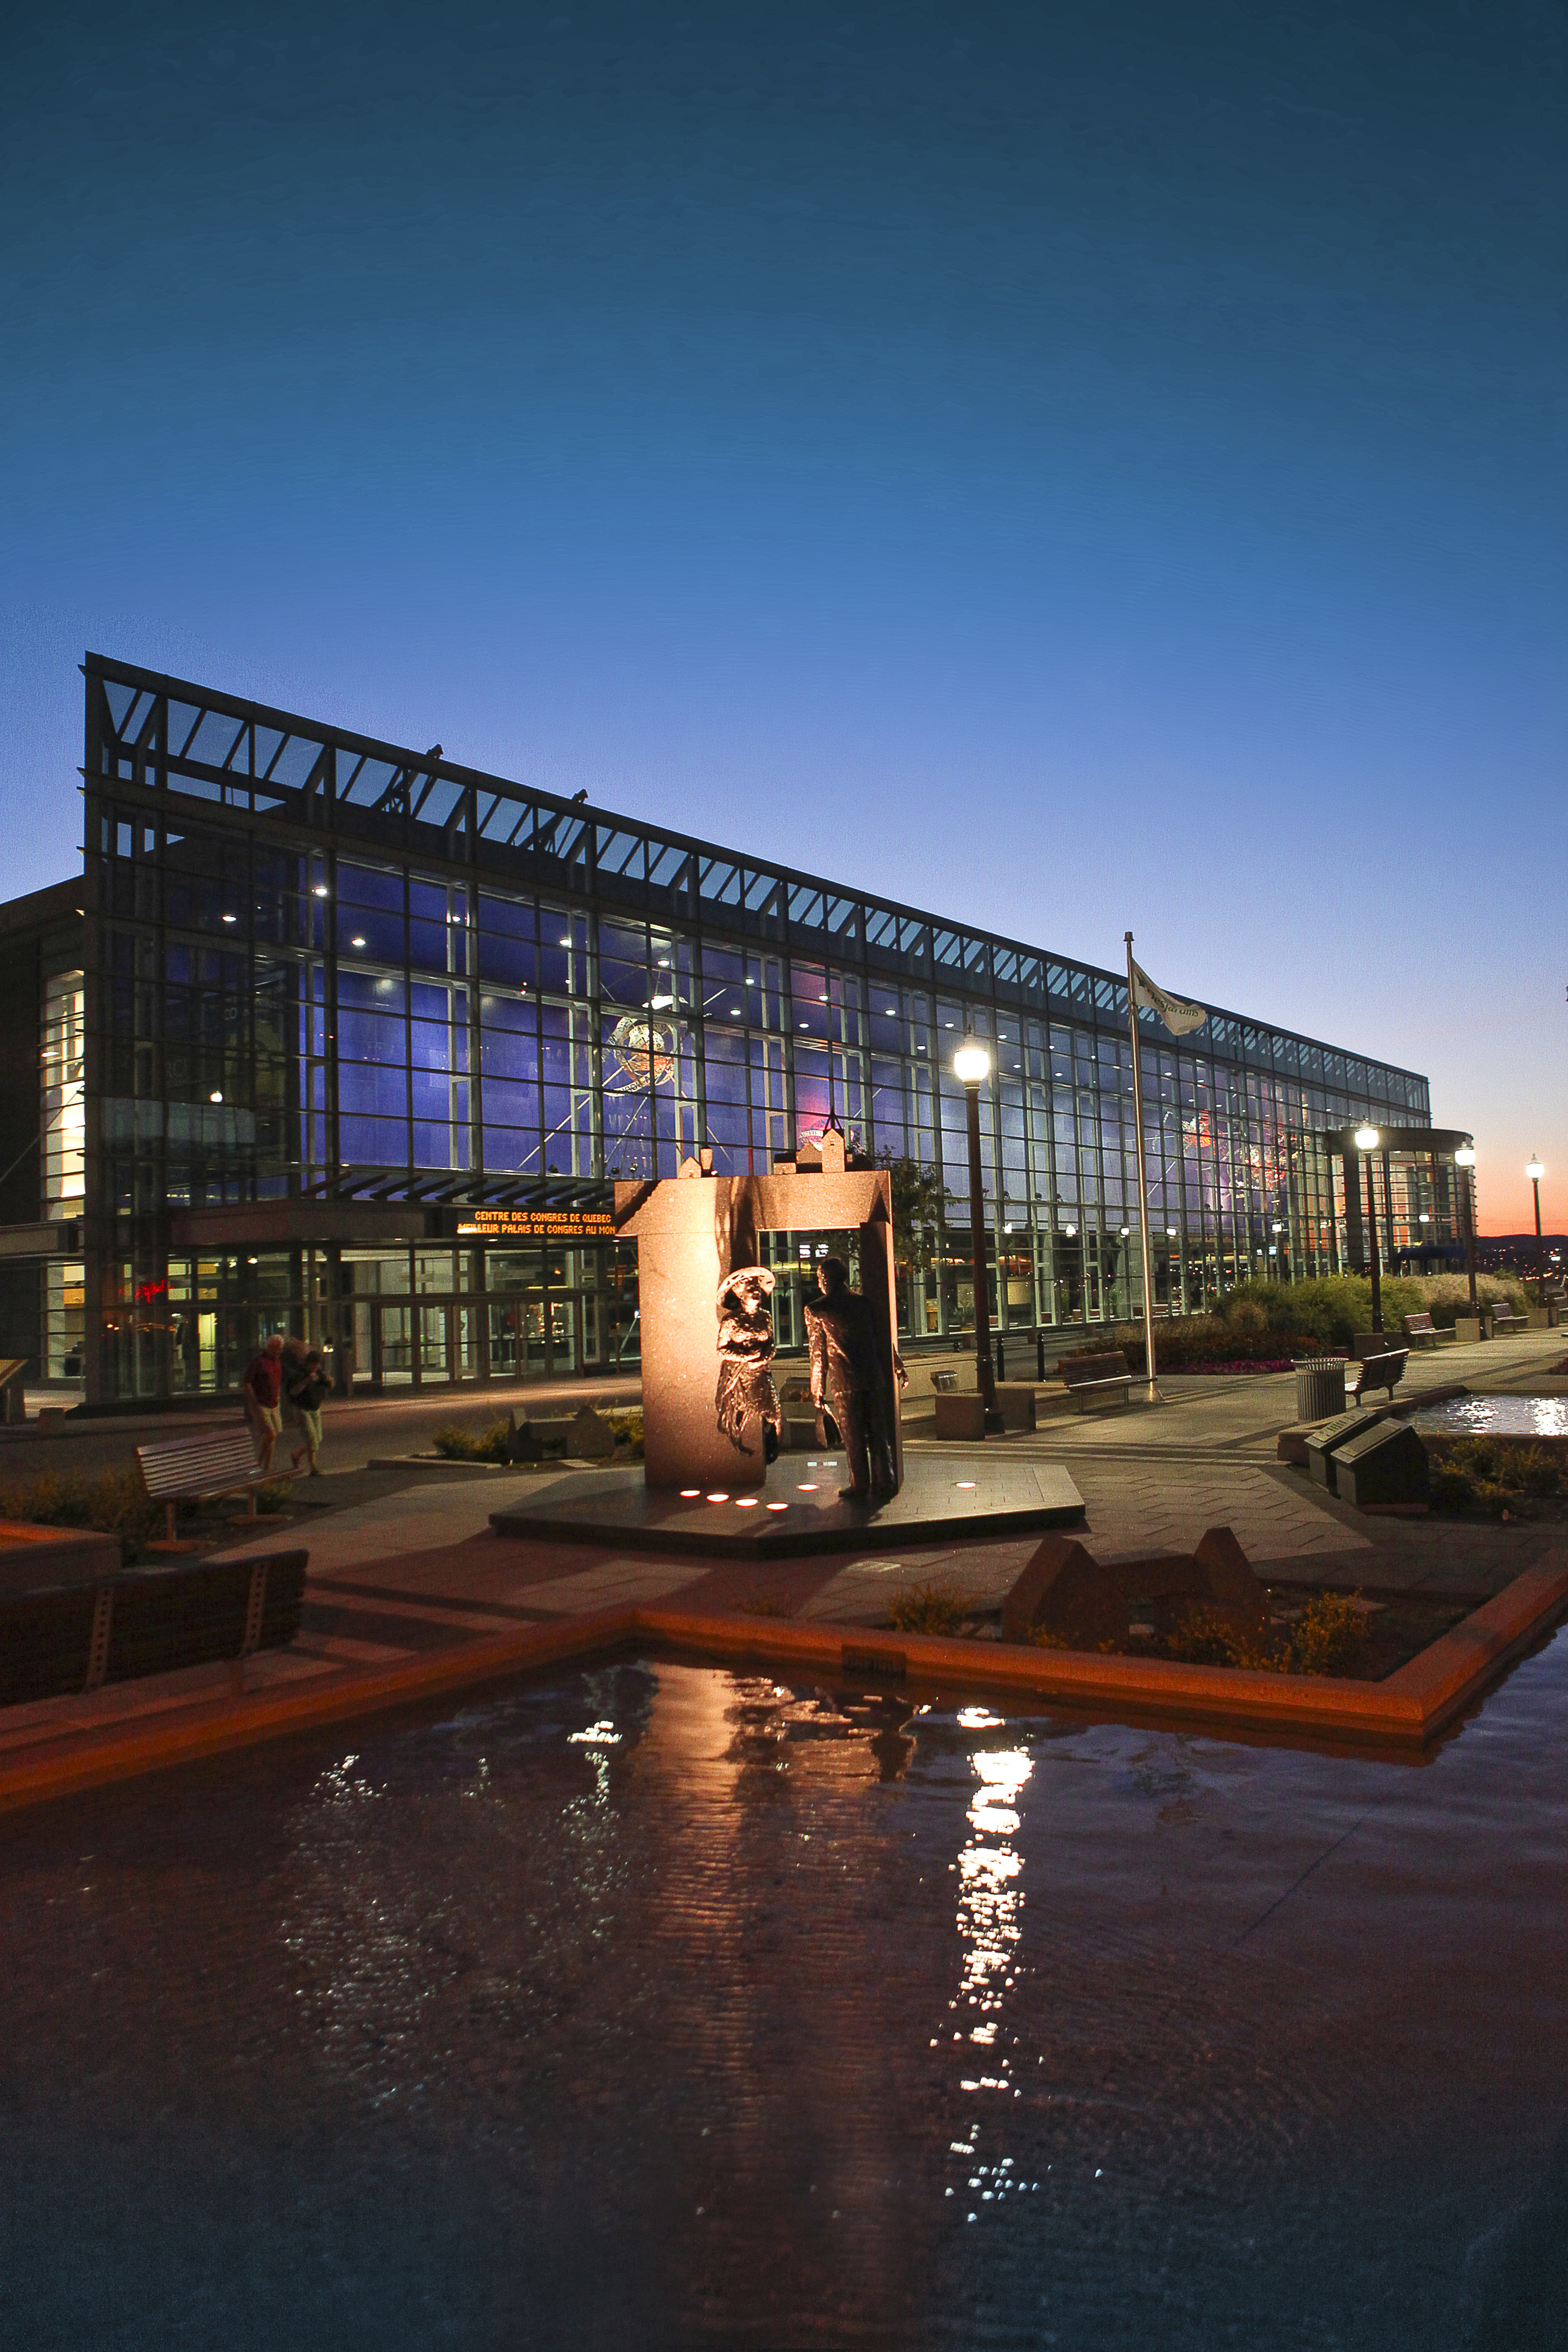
(961, 1416)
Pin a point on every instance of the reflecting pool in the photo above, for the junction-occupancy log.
(1496, 1416)
(668, 2006)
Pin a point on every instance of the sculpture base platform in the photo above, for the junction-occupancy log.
(798, 1511)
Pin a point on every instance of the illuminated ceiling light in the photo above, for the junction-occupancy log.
(216, 1095)
(718, 1495)
(231, 918)
(965, 1485)
(745, 1502)
(778, 1506)
(807, 1486)
(321, 889)
(664, 964)
(690, 1494)
(357, 942)
(1071, 1231)
(734, 1008)
(806, 1024)
(893, 1010)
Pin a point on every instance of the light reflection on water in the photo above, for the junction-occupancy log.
(671, 2005)
(1496, 1416)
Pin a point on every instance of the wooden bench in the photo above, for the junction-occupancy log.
(1421, 1332)
(1380, 1371)
(1094, 1380)
(1505, 1322)
(201, 1467)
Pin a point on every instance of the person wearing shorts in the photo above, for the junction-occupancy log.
(262, 1389)
(308, 1393)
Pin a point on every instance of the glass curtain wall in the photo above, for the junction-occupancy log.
(326, 972)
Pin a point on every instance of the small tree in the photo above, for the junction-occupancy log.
(918, 1198)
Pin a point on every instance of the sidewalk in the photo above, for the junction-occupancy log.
(413, 1582)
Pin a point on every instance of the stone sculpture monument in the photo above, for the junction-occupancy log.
(712, 1419)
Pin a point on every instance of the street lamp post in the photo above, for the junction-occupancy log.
(1465, 1159)
(1535, 1172)
(971, 1068)
(1366, 1144)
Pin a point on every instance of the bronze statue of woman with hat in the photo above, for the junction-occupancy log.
(746, 1346)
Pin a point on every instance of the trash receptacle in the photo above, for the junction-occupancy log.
(1320, 1387)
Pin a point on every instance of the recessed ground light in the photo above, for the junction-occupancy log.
(690, 1494)
(216, 1095)
(719, 1496)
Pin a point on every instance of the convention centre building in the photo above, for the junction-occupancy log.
(339, 1038)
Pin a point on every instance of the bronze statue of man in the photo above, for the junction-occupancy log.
(846, 1365)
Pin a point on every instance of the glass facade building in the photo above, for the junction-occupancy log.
(335, 997)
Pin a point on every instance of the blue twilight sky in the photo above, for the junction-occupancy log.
(1071, 466)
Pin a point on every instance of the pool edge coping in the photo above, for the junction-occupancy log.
(1405, 1712)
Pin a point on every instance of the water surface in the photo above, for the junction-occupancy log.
(1497, 1416)
(671, 2006)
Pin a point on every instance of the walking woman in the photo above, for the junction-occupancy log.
(308, 1393)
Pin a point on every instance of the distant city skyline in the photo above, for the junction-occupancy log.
(1077, 473)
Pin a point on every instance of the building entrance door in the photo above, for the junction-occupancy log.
(394, 1346)
(434, 1345)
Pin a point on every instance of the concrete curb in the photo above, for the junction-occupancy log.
(1403, 1713)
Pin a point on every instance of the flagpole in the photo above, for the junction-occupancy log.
(1142, 1179)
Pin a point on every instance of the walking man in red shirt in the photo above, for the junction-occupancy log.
(262, 1389)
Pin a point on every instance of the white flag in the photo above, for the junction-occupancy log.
(1178, 1018)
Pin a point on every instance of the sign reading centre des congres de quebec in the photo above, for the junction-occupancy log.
(537, 1225)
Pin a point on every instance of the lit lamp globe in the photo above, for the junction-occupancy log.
(1535, 1172)
(1464, 1157)
(972, 1063)
(1366, 1138)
